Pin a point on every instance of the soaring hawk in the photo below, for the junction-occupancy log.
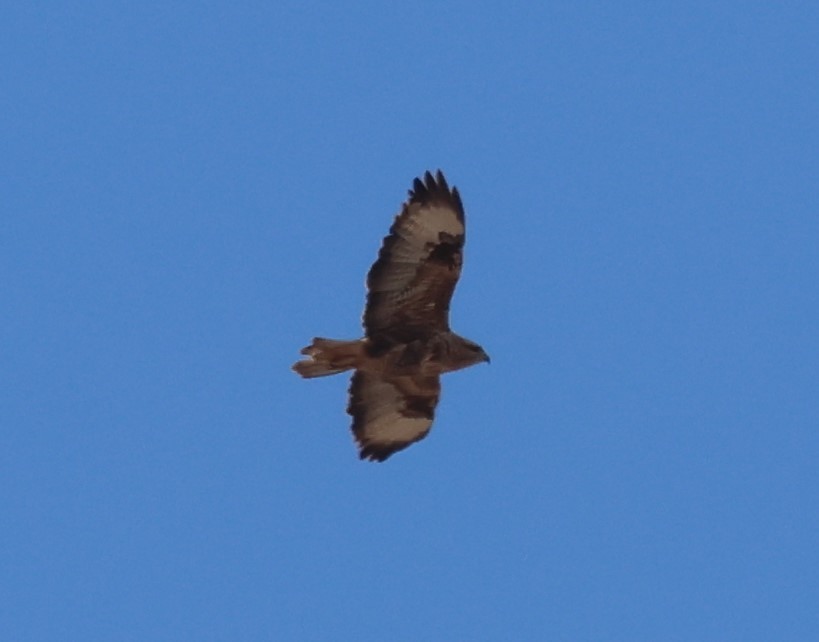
(407, 342)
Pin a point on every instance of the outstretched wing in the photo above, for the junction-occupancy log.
(390, 414)
(411, 283)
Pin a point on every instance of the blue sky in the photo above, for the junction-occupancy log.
(193, 190)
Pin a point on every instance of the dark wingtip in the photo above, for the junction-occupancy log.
(418, 189)
(439, 177)
(429, 188)
(368, 453)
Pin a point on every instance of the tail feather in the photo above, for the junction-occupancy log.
(328, 357)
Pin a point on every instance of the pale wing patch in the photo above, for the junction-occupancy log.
(425, 224)
(416, 233)
(385, 419)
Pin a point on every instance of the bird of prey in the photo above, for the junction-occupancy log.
(407, 342)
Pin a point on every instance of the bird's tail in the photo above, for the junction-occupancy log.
(328, 357)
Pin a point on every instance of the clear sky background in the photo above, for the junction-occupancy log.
(191, 191)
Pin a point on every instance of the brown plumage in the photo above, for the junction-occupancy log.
(407, 342)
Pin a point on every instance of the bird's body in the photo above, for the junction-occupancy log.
(408, 343)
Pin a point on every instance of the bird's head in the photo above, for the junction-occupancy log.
(474, 353)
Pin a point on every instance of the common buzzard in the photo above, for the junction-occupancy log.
(407, 342)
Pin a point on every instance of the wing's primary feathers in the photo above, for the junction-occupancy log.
(389, 415)
(411, 283)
